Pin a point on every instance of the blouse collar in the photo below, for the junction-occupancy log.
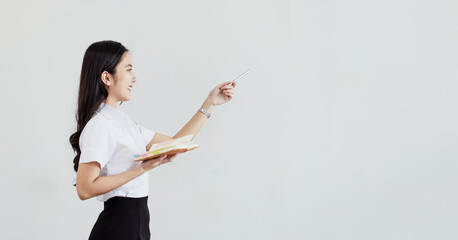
(110, 111)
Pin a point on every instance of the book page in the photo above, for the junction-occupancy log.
(183, 140)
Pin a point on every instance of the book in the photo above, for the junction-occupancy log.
(170, 147)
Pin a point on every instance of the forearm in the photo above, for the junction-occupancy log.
(197, 121)
(104, 184)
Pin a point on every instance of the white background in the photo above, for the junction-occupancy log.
(346, 128)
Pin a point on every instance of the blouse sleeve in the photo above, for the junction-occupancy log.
(146, 133)
(96, 143)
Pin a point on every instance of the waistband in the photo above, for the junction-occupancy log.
(115, 201)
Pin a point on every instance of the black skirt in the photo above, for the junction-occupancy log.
(123, 218)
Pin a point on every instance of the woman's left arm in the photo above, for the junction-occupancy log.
(221, 94)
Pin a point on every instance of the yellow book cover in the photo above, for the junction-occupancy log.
(170, 147)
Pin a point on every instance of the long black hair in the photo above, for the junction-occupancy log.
(99, 57)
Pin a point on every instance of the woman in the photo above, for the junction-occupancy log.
(106, 139)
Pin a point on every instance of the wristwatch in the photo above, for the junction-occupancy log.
(204, 111)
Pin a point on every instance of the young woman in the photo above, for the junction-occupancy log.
(106, 140)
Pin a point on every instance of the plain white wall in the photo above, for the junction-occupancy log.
(346, 128)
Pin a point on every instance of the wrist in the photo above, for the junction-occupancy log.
(208, 105)
(140, 170)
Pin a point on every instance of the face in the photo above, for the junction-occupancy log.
(122, 81)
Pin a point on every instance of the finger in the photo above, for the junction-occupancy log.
(227, 87)
(233, 84)
(174, 157)
(222, 84)
(153, 160)
(162, 162)
(160, 158)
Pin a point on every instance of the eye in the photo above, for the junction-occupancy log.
(129, 70)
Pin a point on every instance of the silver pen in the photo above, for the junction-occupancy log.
(241, 75)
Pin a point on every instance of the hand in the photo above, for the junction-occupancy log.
(156, 162)
(222, 93)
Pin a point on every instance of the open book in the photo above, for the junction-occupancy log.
(170, 147)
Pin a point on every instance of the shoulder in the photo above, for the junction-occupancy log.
(98, 125)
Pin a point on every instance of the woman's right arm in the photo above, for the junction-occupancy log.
(89, 183)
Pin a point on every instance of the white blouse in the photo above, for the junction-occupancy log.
(111, 138)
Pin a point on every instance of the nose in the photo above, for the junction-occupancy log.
(134, 79)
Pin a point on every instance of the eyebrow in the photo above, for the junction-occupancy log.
(129, 65)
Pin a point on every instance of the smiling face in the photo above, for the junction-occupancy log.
(119, 85)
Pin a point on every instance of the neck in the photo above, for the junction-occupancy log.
(111, 102)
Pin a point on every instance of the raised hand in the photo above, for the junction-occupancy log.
(222, 93)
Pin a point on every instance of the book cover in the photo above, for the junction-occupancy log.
(170, 147)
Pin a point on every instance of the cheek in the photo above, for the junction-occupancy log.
(125, 79)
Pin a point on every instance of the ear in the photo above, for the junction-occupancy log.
(105, 76)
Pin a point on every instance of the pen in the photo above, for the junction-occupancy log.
(241, 75)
